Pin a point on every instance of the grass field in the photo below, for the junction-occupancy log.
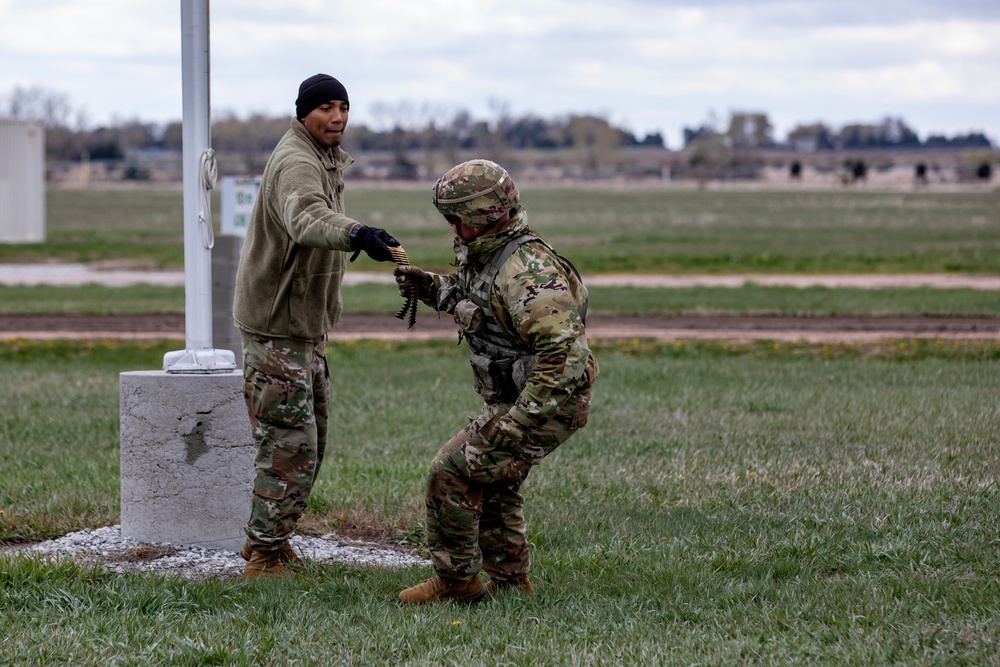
(380, 298)
(602, 230)
(764, 504)
(756, 504)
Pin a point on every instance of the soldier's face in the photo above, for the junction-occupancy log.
(327, 122)
(462, 230)
(467, 233)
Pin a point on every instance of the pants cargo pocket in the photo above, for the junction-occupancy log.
(576, 412)
(274, 400)
(270, 488)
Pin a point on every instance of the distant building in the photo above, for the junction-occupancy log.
(22, 181)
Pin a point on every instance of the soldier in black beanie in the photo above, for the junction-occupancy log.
(287, 300)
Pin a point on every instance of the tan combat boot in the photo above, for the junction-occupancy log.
(267, 563)
(286, 553)
(521, 585)
(437, 589)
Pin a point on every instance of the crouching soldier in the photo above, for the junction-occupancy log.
(522, 308)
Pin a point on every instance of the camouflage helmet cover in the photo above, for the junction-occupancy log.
(480, 192)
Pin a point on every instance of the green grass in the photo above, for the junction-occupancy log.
(755, 299)
(383, 298)
(141, 225)
(764, 504)
(760, 504)
(600, 229)
(91, 298)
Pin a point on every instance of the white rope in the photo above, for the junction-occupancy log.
(209, 173)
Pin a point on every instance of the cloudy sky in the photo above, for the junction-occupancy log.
(647, 65)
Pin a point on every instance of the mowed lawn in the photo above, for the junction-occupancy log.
(766, 504)
(601, 229)
(757, 504)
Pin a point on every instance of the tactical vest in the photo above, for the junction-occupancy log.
(501, 365)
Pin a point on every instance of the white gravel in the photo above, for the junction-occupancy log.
(123, 554)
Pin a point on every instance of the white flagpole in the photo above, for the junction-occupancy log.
(199, 180)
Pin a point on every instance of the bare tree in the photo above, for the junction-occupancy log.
(252, 139)
(50, 107)
(750, 130)
(596, 137)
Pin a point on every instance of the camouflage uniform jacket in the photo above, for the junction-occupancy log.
(537, 300)
(292, 263)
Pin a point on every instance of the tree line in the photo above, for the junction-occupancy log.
(754, 130)
(403, 128)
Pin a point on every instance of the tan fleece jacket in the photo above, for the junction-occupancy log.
(292, 264)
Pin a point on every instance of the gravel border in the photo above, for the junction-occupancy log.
(122, 554)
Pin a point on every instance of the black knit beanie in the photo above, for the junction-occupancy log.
(316, 90)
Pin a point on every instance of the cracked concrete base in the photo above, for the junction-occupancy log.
(186, 458)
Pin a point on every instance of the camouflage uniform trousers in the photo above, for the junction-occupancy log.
(287, 390)
(475, 511)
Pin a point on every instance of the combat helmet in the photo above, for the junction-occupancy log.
(480, 192)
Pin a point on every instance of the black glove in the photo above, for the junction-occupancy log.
(374, 241)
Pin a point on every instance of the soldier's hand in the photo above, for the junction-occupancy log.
(412, 280)
(505, 433)
(374, 241)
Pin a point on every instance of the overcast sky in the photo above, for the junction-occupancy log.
(647, 65)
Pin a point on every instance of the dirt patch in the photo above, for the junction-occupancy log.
(170, 326)
(143, 553)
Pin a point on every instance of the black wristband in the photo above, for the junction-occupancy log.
(353, 236)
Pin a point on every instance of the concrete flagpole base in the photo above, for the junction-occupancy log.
(186, 458)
